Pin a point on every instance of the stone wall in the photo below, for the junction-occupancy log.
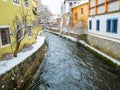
(20, 75)
(111, 48)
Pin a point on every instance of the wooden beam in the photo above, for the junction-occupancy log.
(106, 6)
(88, 7)
(96, 8)
(119, 4)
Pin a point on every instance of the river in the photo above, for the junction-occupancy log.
(68, 66)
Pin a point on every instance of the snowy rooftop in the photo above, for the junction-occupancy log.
(9, 64)
(80, 3)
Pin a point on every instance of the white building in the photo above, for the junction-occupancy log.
(66, 6)
(104, 18)
(104, 26)
(65, 11)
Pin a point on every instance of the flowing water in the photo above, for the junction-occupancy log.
(68, 66)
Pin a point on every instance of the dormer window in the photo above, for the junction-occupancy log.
(26, 3)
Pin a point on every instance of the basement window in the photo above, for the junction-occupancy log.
(5, 36)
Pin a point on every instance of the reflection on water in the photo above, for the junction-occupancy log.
(68, 66)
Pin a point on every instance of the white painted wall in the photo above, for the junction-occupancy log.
(92, 11)
(67, 7)
(101, 9)
(92, 3)
(113, 6)
(101, 1)
(103, 19)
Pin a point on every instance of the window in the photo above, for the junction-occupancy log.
(90, 24)
(98, 25)
(112, 25)
(70, 4)
(108, 25)
(75, 2)
(16, 1)
(5, 36)
(82, 11)
(76, 16)
(26, 3)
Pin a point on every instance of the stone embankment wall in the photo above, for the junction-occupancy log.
(20, 75)
(109, 47)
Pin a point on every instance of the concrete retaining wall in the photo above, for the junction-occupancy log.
(109, 47)
(16, 78)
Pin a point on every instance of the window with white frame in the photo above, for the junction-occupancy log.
(26, 2)
(16, 1)
(5, 36)
(112, 25)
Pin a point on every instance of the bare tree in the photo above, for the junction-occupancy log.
(20, 27)
(44, 14)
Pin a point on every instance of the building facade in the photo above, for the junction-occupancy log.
(80, 12)
(104, 26)
(10, 10)
(104, 18)
(65, 11)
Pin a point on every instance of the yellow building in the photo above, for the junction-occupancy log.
(9, 10)
(80, 12)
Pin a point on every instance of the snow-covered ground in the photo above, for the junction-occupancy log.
(9, 64)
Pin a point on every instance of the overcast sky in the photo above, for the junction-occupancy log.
(54, 5)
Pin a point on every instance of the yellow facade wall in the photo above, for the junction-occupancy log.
(80, 16)
(34, 3)
(8, 11)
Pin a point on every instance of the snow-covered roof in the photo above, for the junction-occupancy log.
(80, 3)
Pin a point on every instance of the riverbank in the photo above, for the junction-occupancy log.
(15, 73)
(114, 62)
